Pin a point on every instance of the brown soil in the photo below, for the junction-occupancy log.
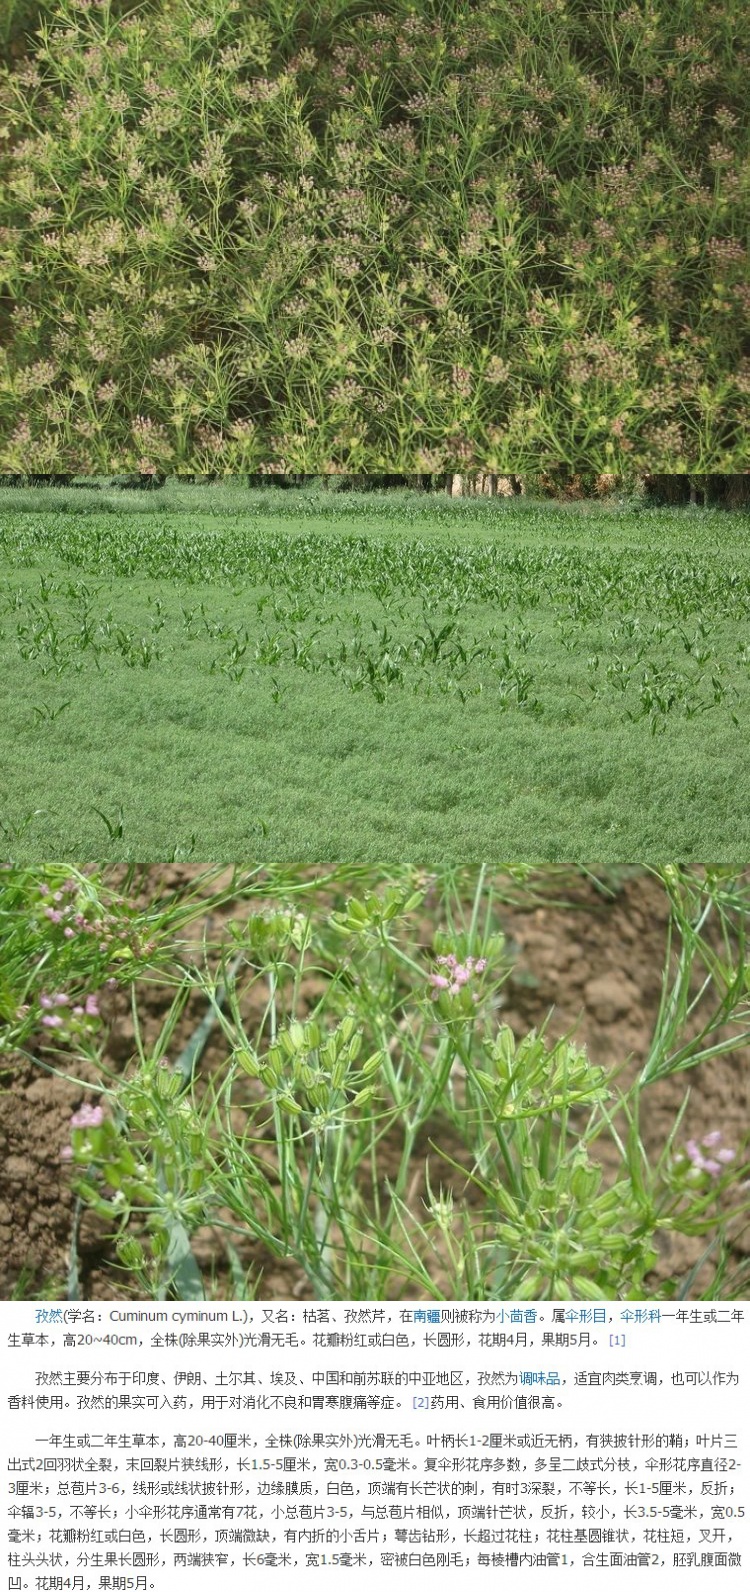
(597, 968)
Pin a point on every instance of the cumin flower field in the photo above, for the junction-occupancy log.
(318, 235)
(242, 674)
(374, 1083)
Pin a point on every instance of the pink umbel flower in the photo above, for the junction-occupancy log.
(70, 1021)
(457, 974)
(87, 1116)
(711, 1164)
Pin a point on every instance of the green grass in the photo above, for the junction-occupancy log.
(322, 677)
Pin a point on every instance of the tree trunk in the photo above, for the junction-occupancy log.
(484, 483)
(737, 491)
(668, 489)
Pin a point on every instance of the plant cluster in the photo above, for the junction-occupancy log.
(317, 237)
(347, 1052)
(64, 937)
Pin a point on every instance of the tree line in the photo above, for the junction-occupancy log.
(724, 491)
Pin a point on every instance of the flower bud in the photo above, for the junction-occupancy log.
(248, 1061)
(168, 1082)
(585, 1180)
(300, 933)
(130, 1252)
(362, 1096)
(287, 1102)
(371, 1065)
(329, 1053)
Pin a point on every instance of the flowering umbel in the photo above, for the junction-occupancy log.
(719, 1157)
(458, 974)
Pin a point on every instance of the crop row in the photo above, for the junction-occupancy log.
(647, 666)
(446, 573)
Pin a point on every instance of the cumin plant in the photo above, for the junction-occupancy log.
(365, 1054)
(324, 237)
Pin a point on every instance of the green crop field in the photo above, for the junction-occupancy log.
(318, 677)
